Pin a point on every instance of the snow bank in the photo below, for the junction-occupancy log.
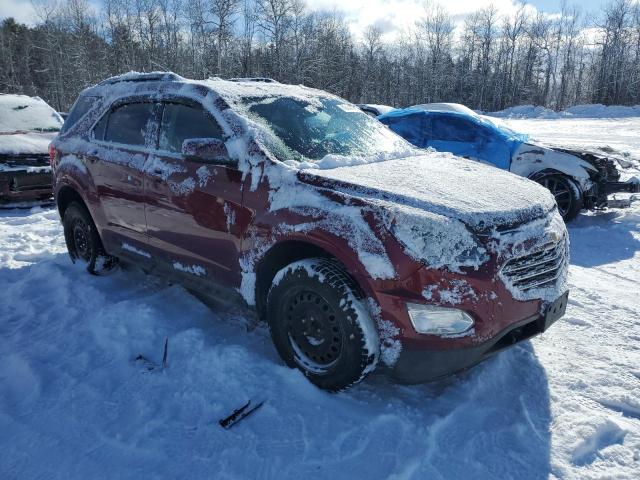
(577, 111)
(74, 402)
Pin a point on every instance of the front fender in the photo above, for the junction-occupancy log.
(352, 233)
(529, 160)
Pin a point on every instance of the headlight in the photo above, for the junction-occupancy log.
(439, 320)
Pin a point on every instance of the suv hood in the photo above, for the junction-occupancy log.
(481, 196)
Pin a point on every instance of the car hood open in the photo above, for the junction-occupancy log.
(479, 195)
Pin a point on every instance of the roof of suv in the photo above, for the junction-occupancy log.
(232, 90)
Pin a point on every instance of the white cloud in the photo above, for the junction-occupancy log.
(394, 16)
(21, 10)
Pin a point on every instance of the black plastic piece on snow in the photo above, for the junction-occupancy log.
(149, 365)
(239, 414)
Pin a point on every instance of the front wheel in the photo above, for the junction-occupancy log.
(567, 194)
(319, 324)
(83, 241)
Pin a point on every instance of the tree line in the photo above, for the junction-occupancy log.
(489, 62)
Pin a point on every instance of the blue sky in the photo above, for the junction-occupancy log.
(554, 5)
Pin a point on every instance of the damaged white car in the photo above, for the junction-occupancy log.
(577, 178)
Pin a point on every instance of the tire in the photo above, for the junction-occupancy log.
(567, 194)
(317, 294)
(83, 241)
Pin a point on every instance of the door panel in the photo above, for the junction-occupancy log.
(117, 166)
(195, 216)
(193, 208)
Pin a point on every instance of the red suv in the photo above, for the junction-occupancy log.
(357, 249)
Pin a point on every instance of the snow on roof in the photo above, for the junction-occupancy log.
(382, 109)
(235, 91)
(21, 112)
(445, 107)
(232, 90)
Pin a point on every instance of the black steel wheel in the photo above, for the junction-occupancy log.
(314, 332)
(83, 241)
(567, 194)
(319, 324)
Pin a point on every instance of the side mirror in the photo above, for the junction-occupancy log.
(205, 150)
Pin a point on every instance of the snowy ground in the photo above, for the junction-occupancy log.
(622, 135)
(74, 403)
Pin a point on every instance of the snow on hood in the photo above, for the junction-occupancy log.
(21, 112)
(25, 143)
(439, 183)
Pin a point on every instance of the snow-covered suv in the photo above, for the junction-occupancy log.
(353, 245)
(27, 126)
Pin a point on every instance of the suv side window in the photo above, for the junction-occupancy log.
(125, 124)
(79, 109)
(452, 128)
(180, 121)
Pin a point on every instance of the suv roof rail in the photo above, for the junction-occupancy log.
(141, 77)
(253, 79)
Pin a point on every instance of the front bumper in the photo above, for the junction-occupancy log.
(419, 366)
(20, 185)
(630, 186)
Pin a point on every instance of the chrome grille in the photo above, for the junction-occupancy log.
(538, 269)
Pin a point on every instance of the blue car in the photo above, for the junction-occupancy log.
(578, 179)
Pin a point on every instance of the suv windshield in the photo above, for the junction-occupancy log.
(310, 131)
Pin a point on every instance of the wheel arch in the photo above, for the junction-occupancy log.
(288, 251)
(65, 196)
(535, 176)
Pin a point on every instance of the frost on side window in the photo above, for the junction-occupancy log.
(181, 122)
(127, 124)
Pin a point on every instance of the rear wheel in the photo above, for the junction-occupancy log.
(319, 324)
(83, 241)
(567, 194)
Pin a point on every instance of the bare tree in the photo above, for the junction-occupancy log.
(495, 60)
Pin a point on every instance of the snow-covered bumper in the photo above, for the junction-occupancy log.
(25, 184)
(416, 365)
(516, 294)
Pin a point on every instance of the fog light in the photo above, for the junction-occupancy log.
(434, 320)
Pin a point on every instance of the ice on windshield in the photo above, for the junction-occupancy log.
(307, 131)
(24, 113)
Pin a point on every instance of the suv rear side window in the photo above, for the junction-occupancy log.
(125, 124)
(82, 106)
(180, 122)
